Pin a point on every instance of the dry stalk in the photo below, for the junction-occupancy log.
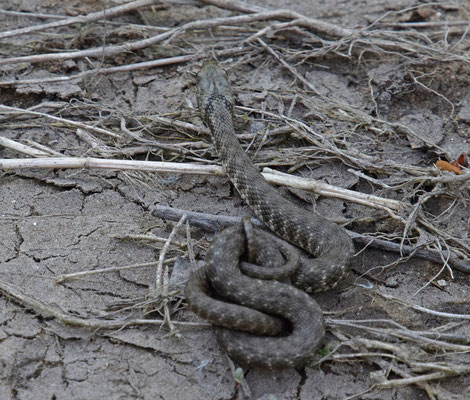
(384, 343)
(159, 288)
(166, 36)
(15, 293)
(160, 285)
(21, 148)
(195, 169)
(404, 357)
(280, 178)
(348, 37)
(81, 274)
(108, 13)
(152, 238)
(350, 156)
(121, 165)
(237, 50)
(13, 111)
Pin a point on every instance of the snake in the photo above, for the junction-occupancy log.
(262, 322)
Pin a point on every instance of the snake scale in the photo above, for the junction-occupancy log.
(262, 322)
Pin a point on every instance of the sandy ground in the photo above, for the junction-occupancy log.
(54, 338)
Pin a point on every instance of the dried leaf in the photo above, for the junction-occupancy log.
(447, 166)
(461, 161)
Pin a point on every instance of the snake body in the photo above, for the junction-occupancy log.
(326, 241)
(238, 325)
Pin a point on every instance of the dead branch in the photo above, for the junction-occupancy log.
(214, 223)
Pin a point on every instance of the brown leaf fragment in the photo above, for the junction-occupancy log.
(461, 161)
(447, 166)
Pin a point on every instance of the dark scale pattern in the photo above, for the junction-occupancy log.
(243, 297)
(299, 309)
(328, 242)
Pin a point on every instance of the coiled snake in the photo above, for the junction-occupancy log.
(290, 316)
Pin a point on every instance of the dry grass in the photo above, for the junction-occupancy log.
(259, 36)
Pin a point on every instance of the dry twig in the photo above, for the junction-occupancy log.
(186, 168)
(255, 36)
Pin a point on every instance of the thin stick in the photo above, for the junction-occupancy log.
(204, 221)
(67, 122)
(47, 150)
(130, 67)
(30, 14)
(151, 238)
(47, 312)
(160, 286)
(325, 189)
(21, 148)
(312, 185)
(235, 5)
(90, 162)
(171, 34)
(314, 24)
(395, 383)
(81, 274)
(214, 223)
(424, 309)
(81, 19)
(433, 24)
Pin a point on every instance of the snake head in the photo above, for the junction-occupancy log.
(213, 87)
